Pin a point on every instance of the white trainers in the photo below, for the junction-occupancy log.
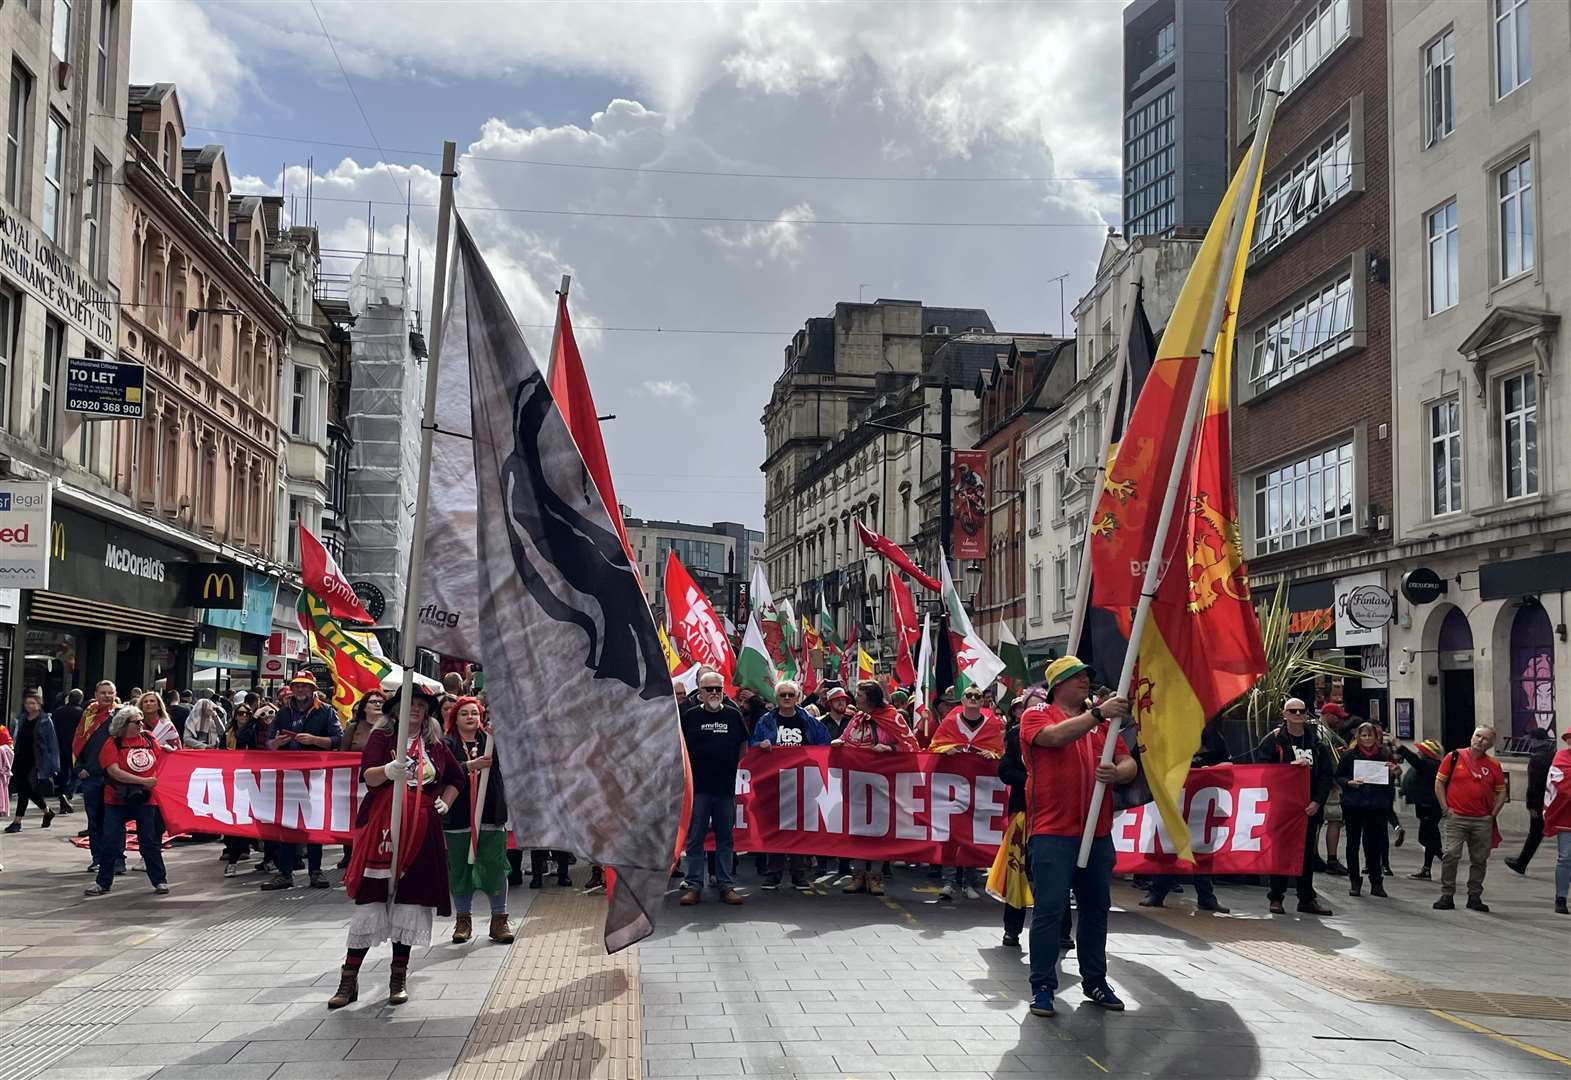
(947, 892)
(972, 894)
(231, 870)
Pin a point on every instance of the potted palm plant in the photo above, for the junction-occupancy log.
(1288, 664)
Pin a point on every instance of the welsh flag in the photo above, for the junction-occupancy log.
(975, 664)
(773, 623)
(754, 669)
(924, 675)
(826, 627)
(1016, 674)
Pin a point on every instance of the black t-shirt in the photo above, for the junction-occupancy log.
(791, 731)
(715, 741)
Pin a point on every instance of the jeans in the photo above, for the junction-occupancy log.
(1535, 833)
(464, 904)
(1162, 884)
(1475, 834)
(1366, 828)
(1053, 874)
(1306, 877)
(289, 859)
(149, 838)
(1562, 865)
(92, 790)
(718, 811)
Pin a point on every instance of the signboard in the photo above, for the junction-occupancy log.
(25, 519)
(1376, 666)
(1538, 575)
(1422, 585)
(217, 586)
(91, 558)
(1402, 714)
(1363, 607)
(371, 598)
(10, 606)
(40, 267)
(104, 389)
(968, 492)
(223, 649)
(255, 615)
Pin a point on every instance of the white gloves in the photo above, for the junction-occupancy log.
(396, 770)
(441, 805)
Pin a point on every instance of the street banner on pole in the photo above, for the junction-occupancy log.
(969, 487)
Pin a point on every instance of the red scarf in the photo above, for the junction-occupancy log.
(92, 716)
(373, 848)
(892, 728)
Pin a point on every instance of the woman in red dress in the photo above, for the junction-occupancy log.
(429, 780)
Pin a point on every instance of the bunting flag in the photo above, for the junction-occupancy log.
(571, 652)
(356, 669)
(696, 629)
(903, 610)
(893, 552)
(754, 670)
(975, 664)
(1201, 648)
(1104, 633)
(319, 574)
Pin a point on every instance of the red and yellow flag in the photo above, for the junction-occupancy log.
(1201, 648)
(356, 669)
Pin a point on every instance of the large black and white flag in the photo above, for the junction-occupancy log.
(579, 691)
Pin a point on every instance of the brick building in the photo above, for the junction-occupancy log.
(1312, 423)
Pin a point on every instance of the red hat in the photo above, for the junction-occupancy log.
(1334, 709)
(835, 692)
(304, 677)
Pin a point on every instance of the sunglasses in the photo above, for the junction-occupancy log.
(786, 695)
(711, 689)
(1298, 711)
(973, 697)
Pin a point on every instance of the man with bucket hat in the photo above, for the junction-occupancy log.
(303, 722)
(1062, 742)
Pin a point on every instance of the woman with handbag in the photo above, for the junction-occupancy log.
(130, 759)
(37, 760)
(427, 778)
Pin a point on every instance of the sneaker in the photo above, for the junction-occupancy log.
(1212, 904)
(1560, 906)
(772, 881)
(162, 889)
(1476, 903)
(1515, 867)
(1420, 875)
(49, 816)
(972, 894)
(1103, 995)
(1377, 888)
(276, 882)
(92, 867)
(1401, 835)
(1150, 900)
(1445, 903)
(799, 882)
(94, 890)
(1334, 867)
(1042, 1004)
(231, 870)
(947, 893)
(319, 881)
(15, 826)
(265, 867)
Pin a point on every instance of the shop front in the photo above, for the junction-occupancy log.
(232, 641)
(117, 608)
(1333, 613)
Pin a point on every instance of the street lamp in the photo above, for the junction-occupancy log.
(973, 577)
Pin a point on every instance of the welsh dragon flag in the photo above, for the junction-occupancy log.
(1016, 674)
(754, 669)
(774, 625)
(975, 664)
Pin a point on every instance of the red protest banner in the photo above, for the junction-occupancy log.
(950, 810)
(297, 796)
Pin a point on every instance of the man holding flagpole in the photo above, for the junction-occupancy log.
(1062, 743)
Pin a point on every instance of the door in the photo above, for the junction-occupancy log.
(1456, 708)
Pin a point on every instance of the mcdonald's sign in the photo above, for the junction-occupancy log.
(217, 586)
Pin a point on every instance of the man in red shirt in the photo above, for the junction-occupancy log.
(1062, 744)
(1471, 789)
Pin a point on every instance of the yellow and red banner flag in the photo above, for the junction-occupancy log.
(356, 669)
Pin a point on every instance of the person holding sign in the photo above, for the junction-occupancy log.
(1365, 774)
(1062, 742)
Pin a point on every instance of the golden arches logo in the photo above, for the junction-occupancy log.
(57, 540)
(217, 586)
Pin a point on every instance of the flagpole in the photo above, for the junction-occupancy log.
(1175, 478)
(406, 638)
(479, 811)
(1083, 571)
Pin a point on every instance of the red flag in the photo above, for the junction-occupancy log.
(570, 389)
(892, 551)
(1557, 794)
(319, 575)
(806, 670)
(848, 667)
(695, 627)
(907, 633)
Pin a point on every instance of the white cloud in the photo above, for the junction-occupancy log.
(175, 41)
(252, 185)
(780, 240)
(668, 390)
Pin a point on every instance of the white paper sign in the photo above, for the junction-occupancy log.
(1371, 771)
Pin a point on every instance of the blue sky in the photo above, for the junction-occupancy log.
(887, 89)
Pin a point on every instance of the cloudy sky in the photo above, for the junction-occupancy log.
(1003, 117)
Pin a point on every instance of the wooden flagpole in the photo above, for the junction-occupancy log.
(1197, 401)
(411, 624)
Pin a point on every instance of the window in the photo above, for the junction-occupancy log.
(1036, 506)
(1308, 43)
(1165, 39)
(1513, 54)
(54, 353)
(1515, 192)
(54, 179)
(294, 529)
(1316, 328)
(1445, 457)
(1060, 584)
(1301, 193)
(10, 325)
(107, 11)
(16, 132)
(1439, 75)
(1148, 166)
(1444, 271)
(97, 204)
(60, 32)
(299, 414)
(1305, 501)
(171, 154)
(1036, 593)
(1519, 434)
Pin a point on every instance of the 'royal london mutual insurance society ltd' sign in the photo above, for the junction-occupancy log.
(29, 260)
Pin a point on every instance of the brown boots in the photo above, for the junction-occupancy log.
(858, 883)
(500, 932)
(397, 988)
(348, 987)
(463, 928)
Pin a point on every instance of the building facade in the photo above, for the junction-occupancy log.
(1481, 167)
(1061, 446)
(1175, 114)
(1312, 445)
(719, 556)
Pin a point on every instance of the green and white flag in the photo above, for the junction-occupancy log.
(975, 664)
(754, 669)
(773, 624)
(1014, 658)
(924, 673)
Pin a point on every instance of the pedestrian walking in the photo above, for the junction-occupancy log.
(1012, 771)
(92, 731)
(37, 764)
(788, 725)
(427, 777)
(1557, 820)
(130, 760)
(1471, 786)
(1295, 741)
(305, 722)
(968, 729)
(715, 735)
(7, 759)
(1418, 788)
(482, 825)
(202, 728)
(1540, 754)
(1366, 807)
(66, 716)
(1062, 743)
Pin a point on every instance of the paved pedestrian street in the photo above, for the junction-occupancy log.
(221, 982)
